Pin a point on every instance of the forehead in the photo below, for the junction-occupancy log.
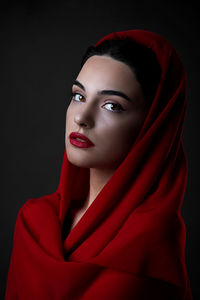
(106, 72)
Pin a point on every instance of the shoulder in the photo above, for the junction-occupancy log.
(36, 215)
(38, 205)
(35, 212)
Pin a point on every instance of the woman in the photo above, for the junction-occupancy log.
(113, 229)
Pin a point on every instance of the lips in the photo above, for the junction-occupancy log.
(80, 140)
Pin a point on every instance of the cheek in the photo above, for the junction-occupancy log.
(130, 131)
(122, 134)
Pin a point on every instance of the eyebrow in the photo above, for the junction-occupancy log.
(104, 92)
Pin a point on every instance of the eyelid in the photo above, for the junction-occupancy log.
(73, 93)
(77, 90)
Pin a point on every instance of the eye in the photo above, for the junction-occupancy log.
(114, 107)
(77, 97)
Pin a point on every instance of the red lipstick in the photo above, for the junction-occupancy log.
(79, 140)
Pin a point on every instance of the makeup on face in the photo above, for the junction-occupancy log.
(107, 108)
(80, 140)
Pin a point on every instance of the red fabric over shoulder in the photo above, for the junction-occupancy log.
(130, 243)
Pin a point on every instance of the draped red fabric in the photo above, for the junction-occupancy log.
(130, 242)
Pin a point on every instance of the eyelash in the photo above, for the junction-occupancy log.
(120, 108)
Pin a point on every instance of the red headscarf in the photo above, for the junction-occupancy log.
(130, 243)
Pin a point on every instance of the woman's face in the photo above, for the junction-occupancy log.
(109, 120)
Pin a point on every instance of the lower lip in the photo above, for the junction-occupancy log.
(80, 144)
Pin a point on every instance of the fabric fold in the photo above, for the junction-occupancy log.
(130, 242)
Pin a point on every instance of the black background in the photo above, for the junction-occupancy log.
(41, 47)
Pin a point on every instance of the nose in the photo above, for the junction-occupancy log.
(84, 117)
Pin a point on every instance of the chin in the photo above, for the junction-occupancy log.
(85, 159)
(77, 159)
(79, 163)
(83, 162)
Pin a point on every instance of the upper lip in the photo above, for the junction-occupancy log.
(80, 136)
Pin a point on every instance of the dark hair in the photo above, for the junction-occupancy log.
(139, 58)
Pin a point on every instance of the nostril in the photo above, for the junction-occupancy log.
(83, 124)
(84, 121)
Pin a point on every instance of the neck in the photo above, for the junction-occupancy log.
(98, 178)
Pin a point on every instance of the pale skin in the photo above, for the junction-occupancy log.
(111, 122)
